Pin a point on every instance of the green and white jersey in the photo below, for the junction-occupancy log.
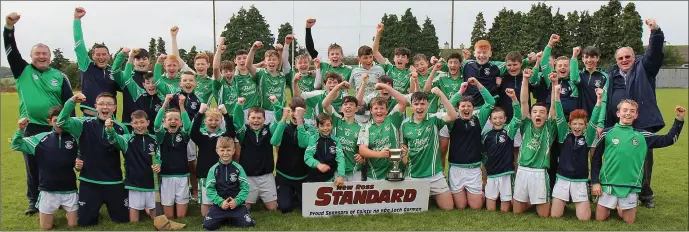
(448, 85)
(423, 142)
(305, 83)
(347, 134)
(375, 72)
(225, 92)
(535, 148)
(160, 77)
(344, 70)
(377, 137)
(432, 99)
(400, 77)
(204, 88)
(248, 89)
(314, 103)
(272, 86)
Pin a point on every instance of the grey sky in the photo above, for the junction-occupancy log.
(350, 24)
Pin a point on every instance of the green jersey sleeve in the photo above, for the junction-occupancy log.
(574, 72)
(28, 144)
(120, 141)
(117, 74)
(211, 191)
(545, 65)
(562, 127)
(276, 139)
(456, 98)
(310, 152)
(591, 126)
(600, 123)
(83, 59)
(304, 132)
(485, 110)
(73, 125)
(516, 121)
(535, 79)
(238, 121)
(339, 157)
(243, 186)
(186, 123)
(278, 114)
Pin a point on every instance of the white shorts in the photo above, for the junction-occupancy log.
(141, 200)
(246, 116)
(444, 132)
(203, 197)
(191, 151)
(610, 201)
(565, 189)
(174, 190)
(48, 202)
(269, 117)
(310, 121)
(263, 186)
(518, 138)
(465, 178)
(438, 183)
(531, 185)
(362, 119)
(355, 176)
(501, 185)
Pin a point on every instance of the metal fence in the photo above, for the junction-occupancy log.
(673, 78)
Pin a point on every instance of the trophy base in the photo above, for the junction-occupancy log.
(395, 176)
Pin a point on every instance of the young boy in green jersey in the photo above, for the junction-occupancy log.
(139, 151)
(324, 154)
(421, 66)
(364, 112)
(532, 185)
(314, 99)
(449, 84)
(224, 86)
(271, 81)
(377, 137)
(227, 187)
(419, 136)
(498, 143)
(617, 174)
(335, 56)
(397, 71)
(347, 131)
(204, 83)
(308, 78)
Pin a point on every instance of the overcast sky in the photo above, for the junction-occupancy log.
(350, 24)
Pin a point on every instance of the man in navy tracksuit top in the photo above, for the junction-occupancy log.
(96, 77)
(206, 137)
(172, 135)
(139, 151)
(291, 137)
(634, 77)
(55, 154)
(257, 152)
(227, 187)
(101, 177)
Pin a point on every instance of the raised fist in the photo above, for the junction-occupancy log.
(599, 93)
(300, 112)
(466, 54)
(79, 12)
(651, 22)
(297, 77)
(108, 124)
(241, 100)
(286, 114)
(472, 81)
(278, 47)
(161, 58)
(257, 45)
(288, 39)
(168, 97)
(222, 108)
(463, 87)
(310, 23)
(12, 19)
(317, 63)
(126, 51)
(553, 77)
(434, 60)
(344, 85)
(380, 86)
(272, 99)
(576, 51)
(681, 111)
(554, 38)
(438, 66)
(174, 30)
(23, 123)
(181, 99)
(509, 92)
(364, 78)
(436, 91)
(557, 88)
(380, 28)
(527, 73)
(79, 98)
(203, 108)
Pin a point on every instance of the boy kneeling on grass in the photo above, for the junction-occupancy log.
(227, 187)
(324, 153)
(55, 153)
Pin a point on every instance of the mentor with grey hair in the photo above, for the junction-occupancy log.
(39, 87)
(634, 77)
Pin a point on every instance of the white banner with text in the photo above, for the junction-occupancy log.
(365, 197)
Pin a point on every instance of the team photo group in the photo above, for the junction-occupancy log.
(490, 133)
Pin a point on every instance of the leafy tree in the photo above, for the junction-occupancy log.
(190, 56)
(537, 22)
(161, 46)
(284, 30)
(608, 35)
(479, 31)
(244, 28)
(632, 26)
(572, 31)
(152, 52)
(409, 29)
(558, 27)
(428, 43)
(183, 54)
(59, 61)
(390, 37)
(72, 72)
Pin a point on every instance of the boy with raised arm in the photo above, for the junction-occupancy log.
(205, 137)
(257, 152)
(271, 81)
(101, 177)
(314, 99)
(142, 159)
(143, 97)
(364, 112)
(575, 140)
(55, 153)
(227, 188)
(465, 151)
(172, 133)
(397, 71)
(380, 134)
(335, 56)
(96, 77)
(346, 130)
(291, 139)
(617, 179)
(324, 154)
(531, 185)
(484, 71)
(419, 135)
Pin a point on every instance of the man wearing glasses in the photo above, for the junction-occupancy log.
(634, 77)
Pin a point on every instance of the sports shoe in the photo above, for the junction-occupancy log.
(31, 210)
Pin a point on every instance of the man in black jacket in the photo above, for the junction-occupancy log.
(634, 77)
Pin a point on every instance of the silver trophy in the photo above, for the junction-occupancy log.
(395, 173)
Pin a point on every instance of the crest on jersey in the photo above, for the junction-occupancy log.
(69, 144)
(264, 131)
(178, 138)
(233, 177)
(35, 77)
(597, 84)
(615, 141)
(126, 202)
(428, 129)
(501, 138)
(472, 123)
(635, 142)
(247, 218)
(486, 71)
(53, 83)
(581, 142)
(332, 149)
(346, 132)
(387, 128)
(158, 107)
(193, 105)
(151, 147)
(563, 91)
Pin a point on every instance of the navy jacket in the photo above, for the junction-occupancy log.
(640, 87)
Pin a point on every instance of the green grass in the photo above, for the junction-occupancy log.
(669, 184)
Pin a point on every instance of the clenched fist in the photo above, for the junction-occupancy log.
(79, 12)
(12, 19)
